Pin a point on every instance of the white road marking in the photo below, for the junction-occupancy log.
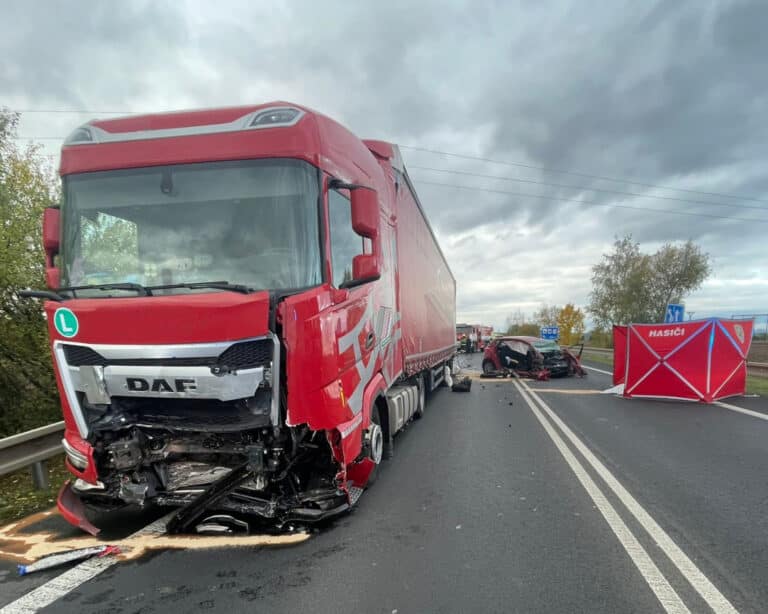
(660, 586)
(708, 591)
(56, 588)
(742, 410)
(598, 370)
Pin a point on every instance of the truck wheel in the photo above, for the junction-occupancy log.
(375, 445)
(488, 367)
(422, 396)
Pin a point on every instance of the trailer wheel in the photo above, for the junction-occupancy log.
(488, 367)
(422, 401)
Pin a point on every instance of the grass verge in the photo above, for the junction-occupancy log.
(605, 359)
(18, 497)
(757, 385)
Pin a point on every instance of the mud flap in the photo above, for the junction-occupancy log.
(72, 508)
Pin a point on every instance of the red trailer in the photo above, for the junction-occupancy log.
(250, 305)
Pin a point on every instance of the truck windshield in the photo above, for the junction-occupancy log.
(252, 222)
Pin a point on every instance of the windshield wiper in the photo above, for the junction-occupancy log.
(137, 288)
(216, 285)
(46, 294)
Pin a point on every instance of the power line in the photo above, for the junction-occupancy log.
(492, 161)
(576, 187)
(452, 154)
(589, 202)
(577, 174)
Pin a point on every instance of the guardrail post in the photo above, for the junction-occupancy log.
(40, 475)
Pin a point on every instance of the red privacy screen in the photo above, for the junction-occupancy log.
(703, 360)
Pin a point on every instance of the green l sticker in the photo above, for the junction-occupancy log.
(65, 322)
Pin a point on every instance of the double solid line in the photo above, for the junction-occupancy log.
(659, 584)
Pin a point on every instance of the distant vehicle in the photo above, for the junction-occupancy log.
(531, 357)
(473, 337)
(483, 336)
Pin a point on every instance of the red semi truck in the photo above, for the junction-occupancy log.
(246, 305)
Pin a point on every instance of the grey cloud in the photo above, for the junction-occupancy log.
(669, 93)
(73, 54)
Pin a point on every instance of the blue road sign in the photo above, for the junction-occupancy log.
(674, 313)
(550, 332)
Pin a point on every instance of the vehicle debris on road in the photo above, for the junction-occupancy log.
(62, 558)
(463, 384)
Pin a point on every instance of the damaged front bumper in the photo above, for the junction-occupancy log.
(238, 492)
(72, 509)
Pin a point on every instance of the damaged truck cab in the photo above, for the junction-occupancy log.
(246, 305)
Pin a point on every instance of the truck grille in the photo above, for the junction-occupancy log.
(247, 354)
(79, 355)
(243, 355)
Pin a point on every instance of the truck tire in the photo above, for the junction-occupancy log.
(488, 367)
(422, 400)
(375, 472)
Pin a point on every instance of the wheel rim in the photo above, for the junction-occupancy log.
(376, 439)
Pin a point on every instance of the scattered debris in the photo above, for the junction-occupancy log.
(462, 385)
(222, 524)
(27, 541)
(62, 558)
(618, 390)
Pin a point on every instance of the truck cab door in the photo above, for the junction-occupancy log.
(354, 317)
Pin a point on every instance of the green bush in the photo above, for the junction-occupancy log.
(28, 395)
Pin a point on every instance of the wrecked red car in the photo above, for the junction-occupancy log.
(530, 357)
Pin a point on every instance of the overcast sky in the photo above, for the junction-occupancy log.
(669, 94)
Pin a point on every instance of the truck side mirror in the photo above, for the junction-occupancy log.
(51, 230)
(365, 266)
(365, 212)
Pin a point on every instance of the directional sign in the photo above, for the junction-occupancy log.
(674, 313)
(550, 332)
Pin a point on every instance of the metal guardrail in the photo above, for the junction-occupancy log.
(31, 449)
(595, 350)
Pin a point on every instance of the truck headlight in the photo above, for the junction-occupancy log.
(76, 458)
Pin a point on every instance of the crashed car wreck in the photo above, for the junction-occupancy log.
(529, 357)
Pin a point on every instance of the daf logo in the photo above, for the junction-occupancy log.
(139, 384)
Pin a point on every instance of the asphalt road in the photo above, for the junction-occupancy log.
(480, 511)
